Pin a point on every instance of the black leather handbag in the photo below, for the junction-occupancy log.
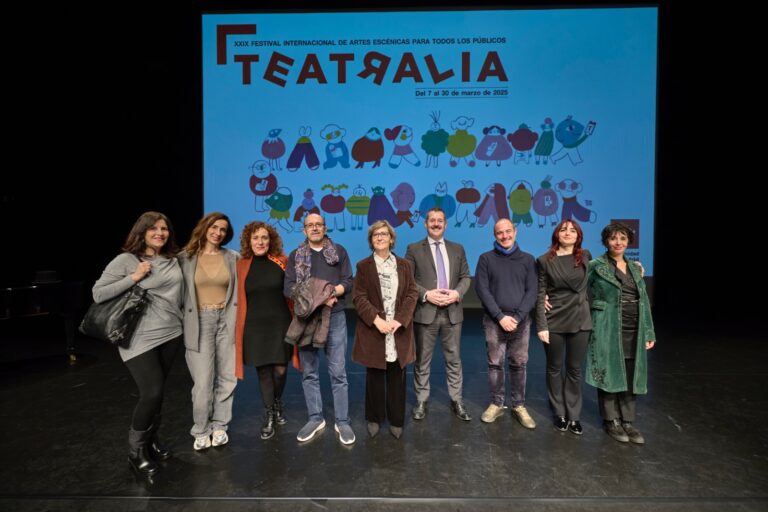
(115, 320)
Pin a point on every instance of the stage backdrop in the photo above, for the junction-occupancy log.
(535, 115)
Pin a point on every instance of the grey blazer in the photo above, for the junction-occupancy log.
(191, 319)
(419, 254)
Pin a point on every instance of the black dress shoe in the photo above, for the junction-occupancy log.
(632, 433)
(420, 411)
(613, 429)
(561, 424)
(575, 428)
(460, 411)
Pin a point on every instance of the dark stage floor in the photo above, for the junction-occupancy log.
(64, 442)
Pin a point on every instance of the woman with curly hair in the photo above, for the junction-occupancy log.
(263, 318)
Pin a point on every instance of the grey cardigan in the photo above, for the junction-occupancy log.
(191, 319)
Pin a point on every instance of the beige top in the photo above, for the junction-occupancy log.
(211, 279)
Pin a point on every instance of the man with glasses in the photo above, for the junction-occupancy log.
(319, 257)
(442, 275)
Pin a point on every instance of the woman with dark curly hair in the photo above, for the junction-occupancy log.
(622, 332)
(210, 302)
(263, 317)
(149, 260)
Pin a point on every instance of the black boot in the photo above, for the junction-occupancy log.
(278, 408)
(157, 449)
(138, 454)
(268, 428)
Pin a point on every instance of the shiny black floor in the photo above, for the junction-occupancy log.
(63, 443)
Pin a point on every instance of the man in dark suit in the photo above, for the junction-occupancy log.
(442, 276)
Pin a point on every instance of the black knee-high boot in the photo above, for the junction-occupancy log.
(157, 449)
(138, 455)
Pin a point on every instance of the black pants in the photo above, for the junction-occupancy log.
(564, 391)
(149, 371)
(385, 394)
(619, 406)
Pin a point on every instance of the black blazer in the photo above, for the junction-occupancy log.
(566, 287)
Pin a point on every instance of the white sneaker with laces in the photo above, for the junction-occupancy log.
(202, 442)
(220, 437)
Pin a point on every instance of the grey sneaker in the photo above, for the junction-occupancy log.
(521, 413)
(346, 435)
(309, 430)
(220, 438)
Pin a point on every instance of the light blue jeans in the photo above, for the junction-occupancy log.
(335, 353)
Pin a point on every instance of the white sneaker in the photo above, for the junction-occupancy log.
(220, 437)
(202, 442)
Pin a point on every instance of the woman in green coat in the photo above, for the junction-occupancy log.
(622, 331)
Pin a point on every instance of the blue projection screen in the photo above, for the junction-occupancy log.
(535, 115)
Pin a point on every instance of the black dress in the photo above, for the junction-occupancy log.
(267, 315)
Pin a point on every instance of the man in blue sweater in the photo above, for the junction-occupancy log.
(506, 282)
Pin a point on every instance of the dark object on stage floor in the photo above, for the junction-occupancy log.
(116, 319)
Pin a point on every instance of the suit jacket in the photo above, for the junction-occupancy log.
(191, 319)
(366, 295)
(419, 255)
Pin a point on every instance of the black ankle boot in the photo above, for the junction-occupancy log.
(268, 428)
(138, 453)
(278, 408)
(157, 449)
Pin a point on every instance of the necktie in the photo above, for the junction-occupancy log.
(442, 281)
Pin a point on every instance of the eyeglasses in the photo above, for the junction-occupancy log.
(318, 225)
(380, 235)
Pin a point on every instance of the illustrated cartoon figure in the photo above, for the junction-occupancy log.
(572, 209)
(262, 183)
(303, 151)
(281, 202)
(306, 207)
(520, 202)
(461, 144)
(435, 141)
(493, 146)
(546, 203)
(357, 206)
(494, 205)
(401, 135)
(368, 148)
(380, 208)
(336, 151)
(333, 204)
(273, 148)
(523, 140)
(467, 197)
(571, 134)
(403, 198)
(440, 199)
(546, 142)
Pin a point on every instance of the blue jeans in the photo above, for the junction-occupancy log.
(336, 354)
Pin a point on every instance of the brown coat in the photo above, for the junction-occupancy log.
(368, 349)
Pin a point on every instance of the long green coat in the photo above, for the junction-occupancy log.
(605, 355)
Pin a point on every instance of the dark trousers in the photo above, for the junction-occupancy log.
(619, 406)
(565, 390)
(385, 394)
(150, 370)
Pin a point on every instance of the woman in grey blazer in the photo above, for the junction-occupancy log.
(565, 328)
(210, 301)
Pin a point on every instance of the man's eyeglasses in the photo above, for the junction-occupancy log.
(318, 225)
